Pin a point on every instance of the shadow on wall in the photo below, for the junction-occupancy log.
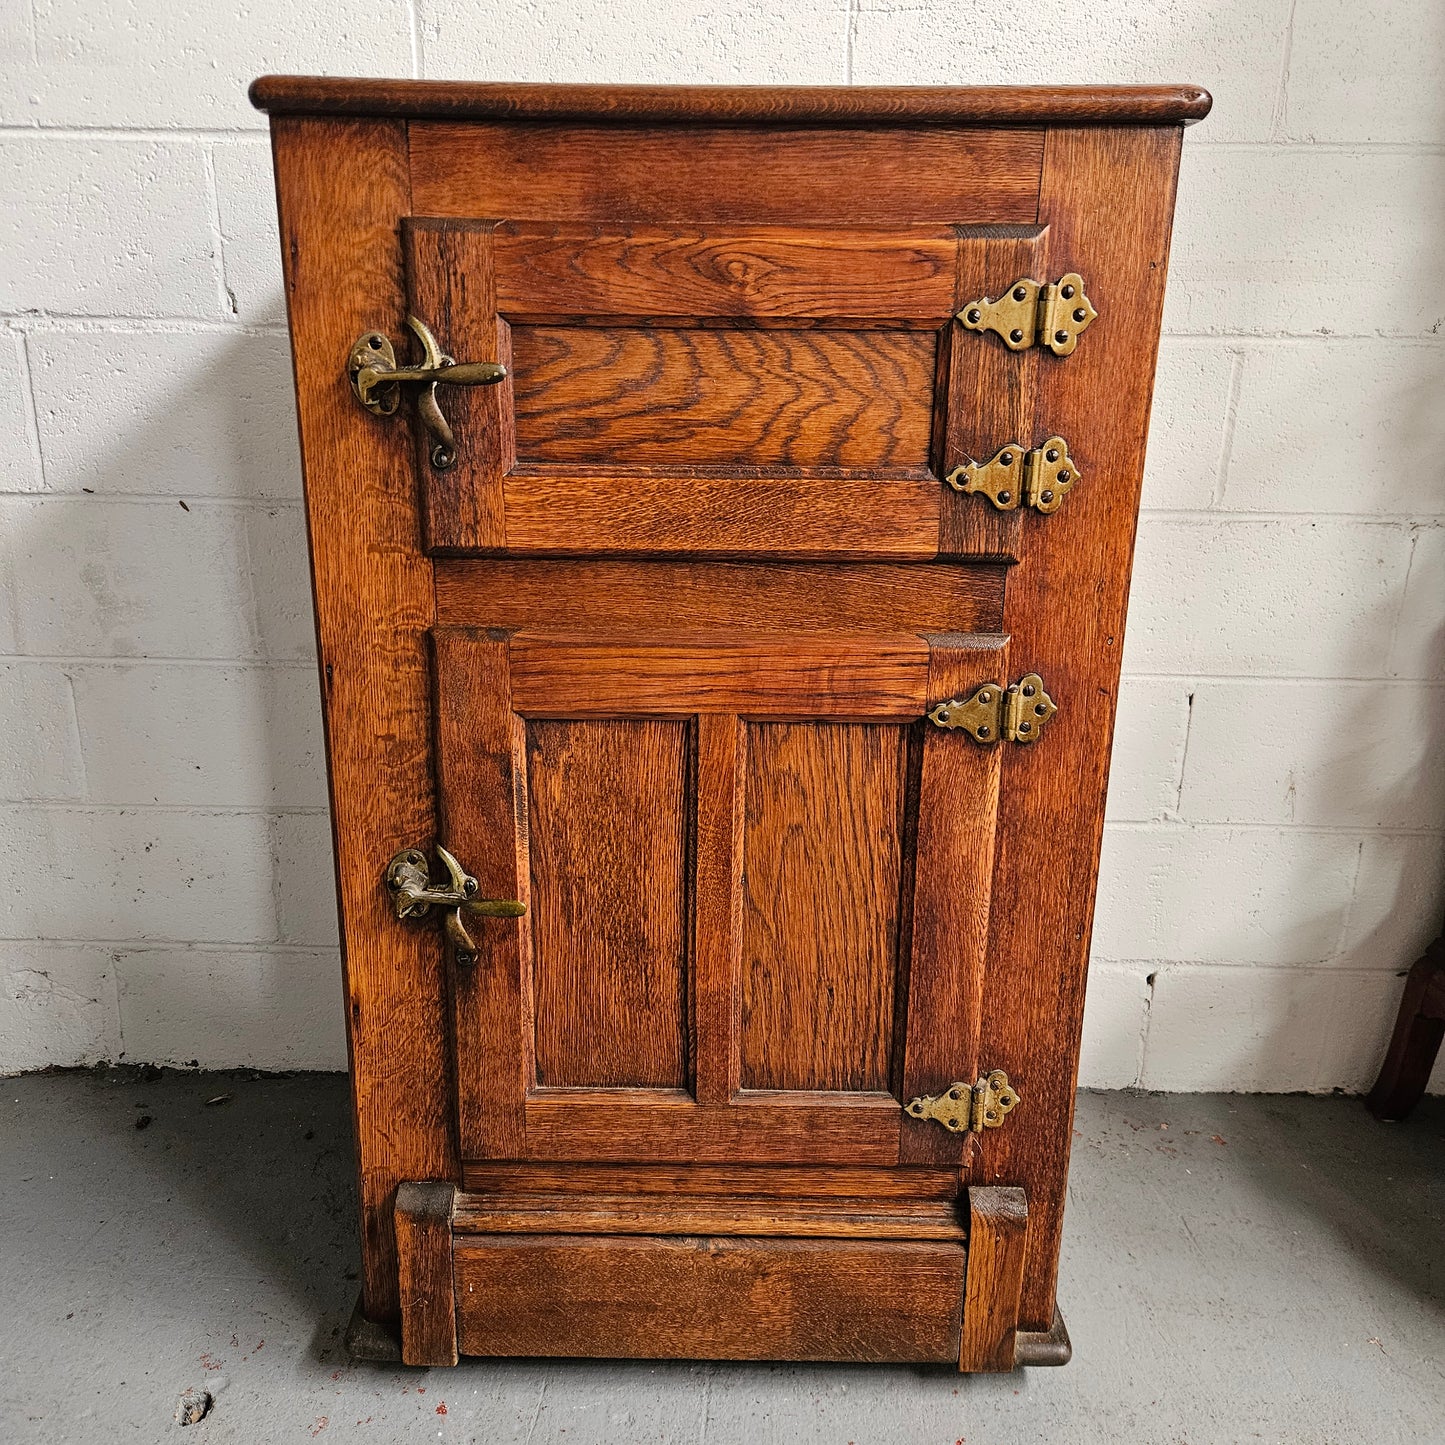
(174, 854)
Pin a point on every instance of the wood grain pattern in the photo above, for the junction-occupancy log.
(674, 396)
(997, 1242)
(646, 1125)
(706, 174)
(769, 1181)
(740, 104)
(786, 272)
(636, 597)
(1107, 200)
(956, 817)
(453, 289)
(763, 1218)
(990, 398)
(423, 1225)
(834, 676)
(822, 867)
(716, 996)
(721, 516)
(481, 772)
(610, 901)
(709, 1297)
(341, 189)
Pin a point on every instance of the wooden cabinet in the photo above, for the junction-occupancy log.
(742, 617)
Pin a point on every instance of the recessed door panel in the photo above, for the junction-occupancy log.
(823, 869)
(609, 911)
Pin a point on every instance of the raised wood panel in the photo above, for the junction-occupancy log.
(709, 1297)
(672, 396)
(609, 901)
(823, 675)
(822, 869)
(635, 596)
(886, 177)
(734, 272)
(721, 516)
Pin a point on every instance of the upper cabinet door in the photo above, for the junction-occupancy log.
(717, 389)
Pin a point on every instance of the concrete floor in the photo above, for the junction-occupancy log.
(1235, 1269)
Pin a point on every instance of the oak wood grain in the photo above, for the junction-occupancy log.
(453, 290)
(341, 190)
(481, 773)
(998, 1222)
(610, 900)
(637, 597)
(676, 396)
(769, 1181)
(704, 1297)
(721, 516)
(839, 675)
(823, 866)
(739, 104)
(1108, 196)
(423, 1224)
(734, 271)
(841, 1218)
(706, 174)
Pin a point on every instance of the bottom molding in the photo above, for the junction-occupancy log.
(367, 1339)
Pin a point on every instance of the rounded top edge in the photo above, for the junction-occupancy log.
(1015, 105)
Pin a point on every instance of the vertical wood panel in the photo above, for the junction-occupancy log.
(718, 910)
(482, 770)
(611, 832)
(454, 292)
(998, 1222)
(822, 867)
(1107, 198)
(991, 392)
(427, 1282)
(342, 188)
(957, 817)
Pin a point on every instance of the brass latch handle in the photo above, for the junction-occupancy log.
(408, 880)
(377, 382)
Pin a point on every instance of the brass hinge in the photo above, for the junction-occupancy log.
(1017, 714)
(1031, 311)
(965, 1109)
(1040, 477)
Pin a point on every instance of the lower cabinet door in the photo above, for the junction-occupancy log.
(757, 889)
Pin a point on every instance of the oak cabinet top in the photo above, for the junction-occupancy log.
(989, 105)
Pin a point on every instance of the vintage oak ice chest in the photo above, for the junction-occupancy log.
(721, 503)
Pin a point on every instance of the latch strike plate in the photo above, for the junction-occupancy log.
(1040, 477)
(1032, 312)
(968, 1108)
(1017, 713)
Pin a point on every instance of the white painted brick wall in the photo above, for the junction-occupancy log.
(1276, 848)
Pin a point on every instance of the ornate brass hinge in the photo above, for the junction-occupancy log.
(968, 1109)
(408, 880)
(1017, 714)
(1040, 477)
(1031, 311)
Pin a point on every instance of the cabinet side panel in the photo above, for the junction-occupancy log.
(342, 188)
(1107, 198)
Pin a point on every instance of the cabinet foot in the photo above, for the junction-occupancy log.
(423, 1221)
